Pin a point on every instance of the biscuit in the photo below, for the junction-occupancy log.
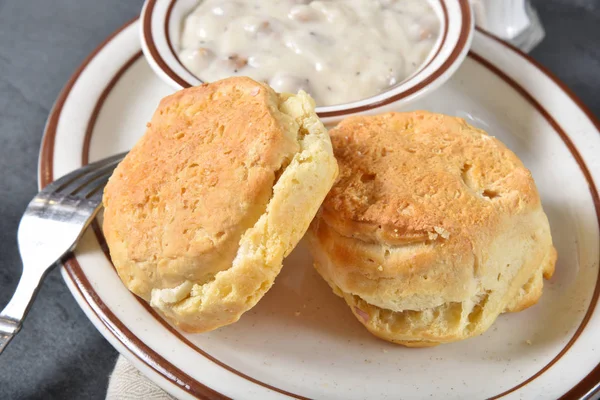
(432, 230)
(201, 213)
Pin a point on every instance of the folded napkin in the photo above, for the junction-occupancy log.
(127, 383)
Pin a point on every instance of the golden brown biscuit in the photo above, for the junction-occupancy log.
(224, 183)
(432, 230)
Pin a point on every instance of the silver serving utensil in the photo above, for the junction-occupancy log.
(50, 228)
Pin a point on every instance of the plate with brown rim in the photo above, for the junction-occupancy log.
(301, 341)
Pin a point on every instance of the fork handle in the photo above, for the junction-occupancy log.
(8, 329)
(11, 318)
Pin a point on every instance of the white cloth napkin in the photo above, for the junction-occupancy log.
(127, 383)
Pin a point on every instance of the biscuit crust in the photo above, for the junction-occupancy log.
(196, 216)
(432, 230)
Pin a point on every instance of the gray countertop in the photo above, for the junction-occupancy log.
(59, 354)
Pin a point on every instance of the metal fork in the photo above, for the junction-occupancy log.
(49, 230)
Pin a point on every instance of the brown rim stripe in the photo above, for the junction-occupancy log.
(165, 324)
(458, 49)
(463, 38)
(592, 118)
(595, 377)
(46, 167)
(169, 43)
(571, 148)
(85, 155)
(170, 372)
(46, 161)
(591, 383)
(167, 24)
(444, 38)
(148, 38)
(132, 342)
(110, 321)
(586, 388)
(593, 191)
(172, 50)
(104, 246)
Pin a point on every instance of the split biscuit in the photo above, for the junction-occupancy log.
(201, 213)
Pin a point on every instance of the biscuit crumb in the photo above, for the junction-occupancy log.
(384, 350)
(529, 342)
(297, 313)
(432, 236)
(442, 232)
(380, 268)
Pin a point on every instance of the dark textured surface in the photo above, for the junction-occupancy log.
(59, 354)
(571, 48)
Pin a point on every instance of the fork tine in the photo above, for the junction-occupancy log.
(95, 186)
(51, 226)
(96, 196)
(69, 183)
(62, 182)
(79, 185)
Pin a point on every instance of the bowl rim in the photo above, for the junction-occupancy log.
(156, 57)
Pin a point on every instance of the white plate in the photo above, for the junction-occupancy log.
(301, 340)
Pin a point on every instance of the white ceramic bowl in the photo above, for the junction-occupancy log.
(161, 28)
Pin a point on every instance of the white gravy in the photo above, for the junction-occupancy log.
(337, 50)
